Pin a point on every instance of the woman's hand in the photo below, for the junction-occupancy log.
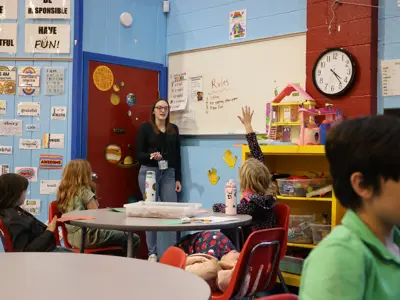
(246, 117)
(53, 225)
(156, 156)
(178, 187)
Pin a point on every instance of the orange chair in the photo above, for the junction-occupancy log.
(280, 297)
(5, 238)
(174, 257)
(257, 267)
(53, 211)
(282, 215)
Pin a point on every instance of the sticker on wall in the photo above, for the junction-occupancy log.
(53, 141)
(49, 187)
(229, 159)
(29, 144)
(29, 81)
(50, 162)
(237, 24)
(59, 113)
(131, 99)
(103, 78)
(6, 150)
(117, 86)
(54, 81)
(3, 107)
(11, 127)
(32, 206)
(32, 127)
(127, 162)
(4, 169)
(212, 175)
(8, 80)
(113, 154)
(114, 99)
(29, 173)
(28, 109)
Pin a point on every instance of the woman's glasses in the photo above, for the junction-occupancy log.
(165, 108)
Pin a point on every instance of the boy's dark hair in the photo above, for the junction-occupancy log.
(369, 145)
(11, 188)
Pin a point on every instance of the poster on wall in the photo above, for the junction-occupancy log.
(11, 127)
(8, 37)
(3, 107)
(4, 169)
(390, 75)
(196, 88)
(29, 81)
(32, 206)
(7, 80)
(47, 38)
(8, 10)
(179, 92)
(29, 144)
(53, 141)
(59, 113)
(28, 109)
(54, 81)
(49, 187)
(237, 24)
(50, 162)
(47, 9)
(6, 150)
(29, 173)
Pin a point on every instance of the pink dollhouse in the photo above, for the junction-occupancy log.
(296, 122)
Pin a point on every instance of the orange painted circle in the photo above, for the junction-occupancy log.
(113, 154)
(103, 78)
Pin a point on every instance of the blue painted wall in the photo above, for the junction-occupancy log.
(144, 40)
(193, 24)
(388, 46)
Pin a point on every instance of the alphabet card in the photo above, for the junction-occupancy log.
(29, 81)
(47, 9)
(8, 10)
(47, 38)
(8, 37)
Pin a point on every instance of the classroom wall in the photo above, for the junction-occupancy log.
(388, 46)
(193, 24)
(30, 158)
(144, 40)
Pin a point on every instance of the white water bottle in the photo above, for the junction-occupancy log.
(230, 198)
(150, 190)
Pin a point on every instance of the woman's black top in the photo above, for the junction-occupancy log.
(169, 145)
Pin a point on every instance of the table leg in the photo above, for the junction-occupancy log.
(130, 245)
(83, 240)
(178, 236)
(237, 239)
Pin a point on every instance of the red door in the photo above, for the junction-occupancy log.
(120, 99)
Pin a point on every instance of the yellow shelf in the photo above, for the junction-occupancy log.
(296, 123)
(307, 246)
(304, 198)
(289, 149)
(291, 279)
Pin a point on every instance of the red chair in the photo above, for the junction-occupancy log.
(174, 257)
(53, 211)
(282, 215)
(257, 267)
(5, 238)
(280, 297)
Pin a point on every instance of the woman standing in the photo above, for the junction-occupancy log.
(158, 150)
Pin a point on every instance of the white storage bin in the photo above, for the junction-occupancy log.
(162, 210)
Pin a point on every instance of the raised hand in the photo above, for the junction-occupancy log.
(247, 115)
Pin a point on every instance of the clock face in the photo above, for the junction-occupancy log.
(334, 72)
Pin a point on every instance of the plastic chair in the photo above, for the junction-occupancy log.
(282, 215)
(174, 257)
(257, 266)
(5, 238)
(280, 297)
(53, 211)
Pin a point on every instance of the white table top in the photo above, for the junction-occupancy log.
(107, 219)
(59, 276)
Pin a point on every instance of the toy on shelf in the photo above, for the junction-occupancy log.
(297, 122)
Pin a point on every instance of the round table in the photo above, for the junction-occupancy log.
(108, 219)
(65, 276)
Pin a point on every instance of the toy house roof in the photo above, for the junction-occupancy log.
(290, 88)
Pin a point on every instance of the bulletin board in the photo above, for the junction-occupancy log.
(208, 87)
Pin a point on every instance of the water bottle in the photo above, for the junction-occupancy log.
(150, 190)
(230, 198)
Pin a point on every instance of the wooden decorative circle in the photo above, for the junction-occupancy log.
(103, 78)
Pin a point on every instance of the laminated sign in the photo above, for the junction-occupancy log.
(27, 172)
(55, 141)
(47, 38)
(47, 9)
(29, 81)
(9, 9)
(32, 206)
(50, 161)
(8, 37)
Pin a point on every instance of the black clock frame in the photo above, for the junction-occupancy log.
(352, 78)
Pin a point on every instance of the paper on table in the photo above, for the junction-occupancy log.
(72, 218)
(121, 210)
(208, 219)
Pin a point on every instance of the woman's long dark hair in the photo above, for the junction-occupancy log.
(11, 188)
(169, 128)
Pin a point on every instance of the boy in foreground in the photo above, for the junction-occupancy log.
(360, 259)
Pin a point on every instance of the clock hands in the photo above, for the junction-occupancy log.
(337, 76)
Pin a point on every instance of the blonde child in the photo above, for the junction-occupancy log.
(77, 192)
(255, 183)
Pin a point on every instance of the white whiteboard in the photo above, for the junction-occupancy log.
(233, 76)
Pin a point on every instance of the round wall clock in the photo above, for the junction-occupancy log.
(334, 72)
